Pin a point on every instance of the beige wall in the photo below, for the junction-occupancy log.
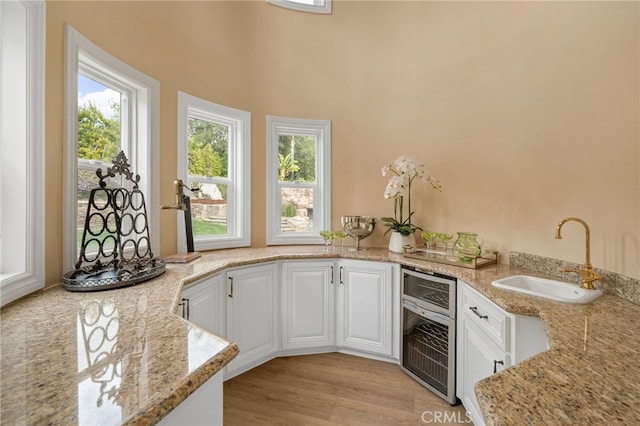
(526, 112)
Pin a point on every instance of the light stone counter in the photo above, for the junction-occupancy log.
(589, 376)
(124, 357)
(110, 357)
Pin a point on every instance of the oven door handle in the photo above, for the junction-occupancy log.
(425, 313)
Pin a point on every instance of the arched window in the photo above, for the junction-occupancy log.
(109, 106)
(313, 6)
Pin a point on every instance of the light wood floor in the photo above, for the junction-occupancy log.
(332, 389)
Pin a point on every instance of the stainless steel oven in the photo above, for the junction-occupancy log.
(427, 351)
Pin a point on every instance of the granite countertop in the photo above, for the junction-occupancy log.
(125, 356)
(109, 357)
(590, 374)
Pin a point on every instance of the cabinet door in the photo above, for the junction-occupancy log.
(478, 358)
(250, 315)
(365, 306)
(308, 294)
(204, 304)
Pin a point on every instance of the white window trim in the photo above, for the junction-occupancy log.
(148, 92)
(33, 276)
(322, 6)
(239, 190)
(321, 216)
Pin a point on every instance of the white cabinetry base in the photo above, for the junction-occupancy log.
(202, 408)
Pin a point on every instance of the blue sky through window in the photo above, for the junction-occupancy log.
(100, 95)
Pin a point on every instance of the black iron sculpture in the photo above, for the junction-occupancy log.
(116, 248)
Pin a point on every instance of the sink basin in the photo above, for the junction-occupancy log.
(548, 289)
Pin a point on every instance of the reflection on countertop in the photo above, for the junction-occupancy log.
(125, 357)
(120, 356)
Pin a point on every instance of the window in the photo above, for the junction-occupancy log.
(22, 27)
(109, 106)
(298, 180)
(313, 6)
(214, 157)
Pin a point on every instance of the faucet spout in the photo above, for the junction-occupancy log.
(587, 263)
(180, 197)
(588, 276)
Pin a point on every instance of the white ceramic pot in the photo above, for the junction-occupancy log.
(398, 241)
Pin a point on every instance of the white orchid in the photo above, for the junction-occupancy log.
(405, 170)
(395, 187)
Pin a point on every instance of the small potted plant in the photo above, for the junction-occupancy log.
(404, 171)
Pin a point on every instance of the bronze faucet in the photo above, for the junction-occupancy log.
(183, 202)
(587, 275)
(180, 197)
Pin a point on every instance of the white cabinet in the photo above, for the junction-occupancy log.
(478, 358)
(490, 340)
(202, 407)
(323, 304)
(240, 305)
(365, 306)
(251, 319)
(308, 305)
(203, 303)
(340, 304)
(483, 345)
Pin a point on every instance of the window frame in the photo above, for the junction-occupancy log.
(32, 277)
(322, 6)
(277, 126)
(143, 124)
(238, 178)
(128, 120)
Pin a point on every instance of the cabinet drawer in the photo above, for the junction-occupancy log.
(485, 314)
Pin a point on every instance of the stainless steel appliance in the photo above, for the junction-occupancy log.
(427, 352)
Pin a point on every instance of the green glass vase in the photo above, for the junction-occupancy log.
(467, 247)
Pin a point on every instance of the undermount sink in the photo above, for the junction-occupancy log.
(548, 289)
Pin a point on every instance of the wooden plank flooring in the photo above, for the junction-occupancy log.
(332, 389)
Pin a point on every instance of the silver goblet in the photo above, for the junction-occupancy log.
(358, 227)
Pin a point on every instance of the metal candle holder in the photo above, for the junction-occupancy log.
(116, 249)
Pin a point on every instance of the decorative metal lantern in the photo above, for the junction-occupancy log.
(116, 249)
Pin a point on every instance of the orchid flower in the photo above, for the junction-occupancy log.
(404, 170)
